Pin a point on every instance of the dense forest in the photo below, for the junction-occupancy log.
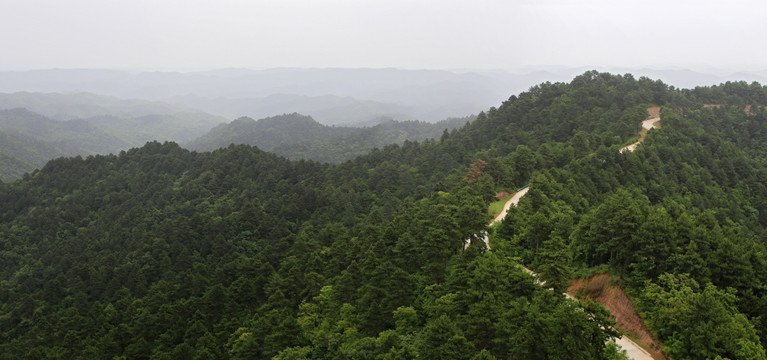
(164, 253)
(298, 136)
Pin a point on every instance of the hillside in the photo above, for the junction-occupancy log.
(38, 127)
(237, 253)
(297, 136)
(74, 137)
(132, 120)
(136, 131)
(351, 97)
(20, 154)
(77, 105)
(339, 96)
(28, 140)
(266, 133)
(326, 109)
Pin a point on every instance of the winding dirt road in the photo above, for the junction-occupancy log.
(647, 124)
(633, 350)
(514, 200)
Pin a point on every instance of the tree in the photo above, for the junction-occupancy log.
(555, 264)
(697, 322)
(476, 170)
(523, 163)
(602, 235)
(441, 339)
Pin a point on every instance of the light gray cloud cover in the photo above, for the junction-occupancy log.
(479, 34)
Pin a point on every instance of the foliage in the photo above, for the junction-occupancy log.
(297, 136)
(159, 252)
(20, 154)
(689, 201)
(28, 140)
(699, 323)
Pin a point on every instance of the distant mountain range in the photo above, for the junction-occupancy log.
(331, 95)
(74, 137)
(332, 109)
(28, 139)
(20, 154)
(51, 113)
(298, 136)
(78, 105)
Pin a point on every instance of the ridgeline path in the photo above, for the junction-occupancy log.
(513, 200)
(633, 350)
(647, 125)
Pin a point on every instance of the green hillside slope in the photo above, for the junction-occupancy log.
(297, 136)
(237, 253)
(265, 133)
(75, 137)
(20, 154)
(30, 139)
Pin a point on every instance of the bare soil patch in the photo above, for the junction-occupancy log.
(747, 108)
(750, 111)
(600, 289)
(502, 195)
(654, 111)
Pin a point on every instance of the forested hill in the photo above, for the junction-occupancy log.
(160, 252)
(297, 136)
(132, 121)
(265, 133)
(21, 154)
(28, 139)
(74, 137)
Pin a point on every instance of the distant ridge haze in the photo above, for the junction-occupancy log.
(343, 96)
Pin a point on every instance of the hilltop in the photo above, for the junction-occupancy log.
(301, 137)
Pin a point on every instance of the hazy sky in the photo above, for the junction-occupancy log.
(440, 34)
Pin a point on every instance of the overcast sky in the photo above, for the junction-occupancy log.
(411, 34)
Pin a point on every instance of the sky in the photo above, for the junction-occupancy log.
(187, 35)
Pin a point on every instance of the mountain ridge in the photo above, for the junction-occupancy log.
(298, 136)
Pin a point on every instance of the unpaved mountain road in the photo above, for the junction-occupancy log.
(512, 201)
(633, 350)
(647, 124)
